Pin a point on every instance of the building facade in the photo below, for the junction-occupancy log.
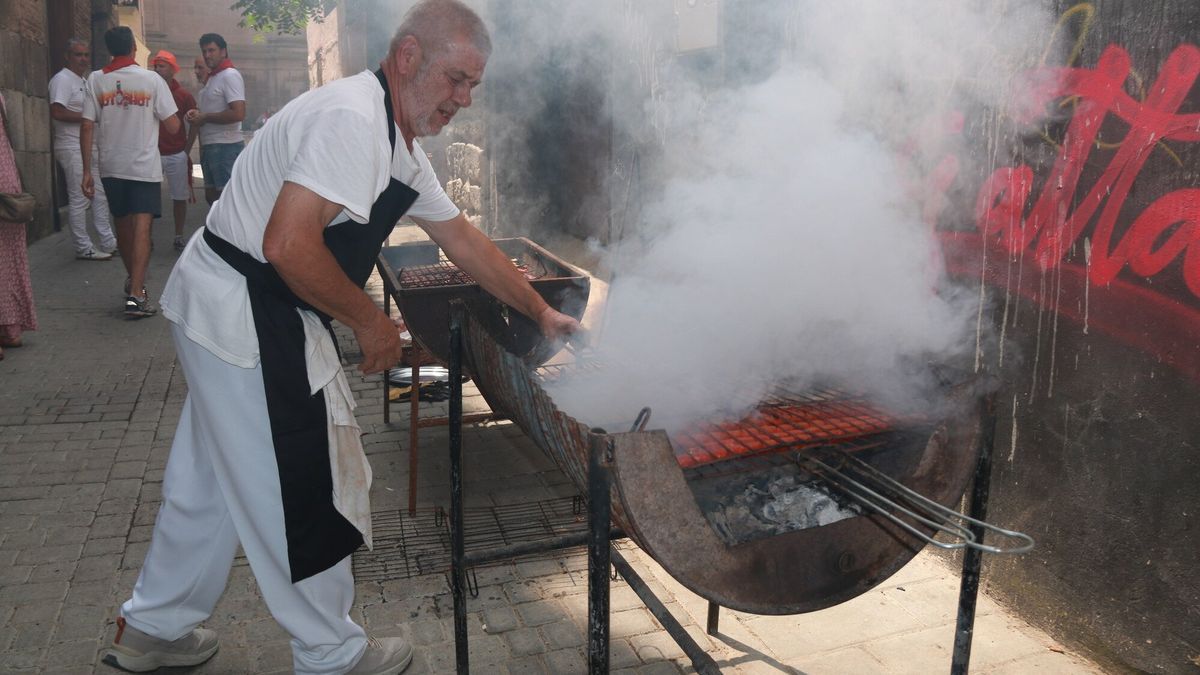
(273, 66)
(33, 34)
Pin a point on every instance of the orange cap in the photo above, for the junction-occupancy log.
(167, 58)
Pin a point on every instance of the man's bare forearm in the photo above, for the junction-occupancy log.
(224, 117)
(60, 113)
(478, 256)
(294, 245)
(313, 274)
(234, 113)
(86, 129)
(193, 131)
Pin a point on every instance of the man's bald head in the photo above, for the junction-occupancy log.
(200, 68)
(436, 23)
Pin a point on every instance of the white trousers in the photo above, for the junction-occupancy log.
(71, 163)
(221, 487)
(175, 172)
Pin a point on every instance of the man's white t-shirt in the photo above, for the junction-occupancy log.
(332, 140)
(127, 105)
(66, 89)
(218, 92)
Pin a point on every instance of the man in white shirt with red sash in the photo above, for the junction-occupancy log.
(66, 109)
(221, 107)
(126, 102)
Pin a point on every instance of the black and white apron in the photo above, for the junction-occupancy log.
(318, 534)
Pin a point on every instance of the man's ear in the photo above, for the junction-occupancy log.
(408, 56)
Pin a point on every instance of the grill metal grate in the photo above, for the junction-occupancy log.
(433, 276)
(410, 546)
(785, 421)
(446, 273)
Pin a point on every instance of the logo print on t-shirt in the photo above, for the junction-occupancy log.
(124, 99)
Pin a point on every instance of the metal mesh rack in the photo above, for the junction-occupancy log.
(446, 273)
(407, 546)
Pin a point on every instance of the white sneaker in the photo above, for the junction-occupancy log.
(93, 254)
(383, 656)
(138, 652)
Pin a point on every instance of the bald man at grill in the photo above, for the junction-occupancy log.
(267, 453)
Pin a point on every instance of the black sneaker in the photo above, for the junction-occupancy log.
(127, 291)
(139, 309)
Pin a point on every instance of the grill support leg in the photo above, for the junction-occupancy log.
(599, 550)
(714, 619)
(701, 661)
(968, 592)
(457, 567)
(414, 404)
(387, 374)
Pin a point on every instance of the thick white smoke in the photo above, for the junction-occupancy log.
(788, 245)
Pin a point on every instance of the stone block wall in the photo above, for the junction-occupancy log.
(24, 74)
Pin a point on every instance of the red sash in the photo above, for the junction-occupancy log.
(226, 63)
(119, 62)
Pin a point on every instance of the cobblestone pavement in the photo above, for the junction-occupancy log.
(87, 412)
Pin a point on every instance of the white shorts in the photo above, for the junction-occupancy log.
(175, 170)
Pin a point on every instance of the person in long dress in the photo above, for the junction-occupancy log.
(16, 294)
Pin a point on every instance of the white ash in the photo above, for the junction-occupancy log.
(786, 505)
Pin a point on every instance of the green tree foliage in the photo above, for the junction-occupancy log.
(286, 17)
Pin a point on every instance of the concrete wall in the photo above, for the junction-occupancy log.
(1099, 441)
(325, 48)
(352, 38)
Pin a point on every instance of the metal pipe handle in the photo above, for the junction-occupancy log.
(869, 490)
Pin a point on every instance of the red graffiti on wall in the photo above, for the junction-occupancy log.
(1163, 239)
(1052, 227)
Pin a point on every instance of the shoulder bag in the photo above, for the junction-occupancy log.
(15, 207)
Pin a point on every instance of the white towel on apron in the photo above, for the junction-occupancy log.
(351, 472)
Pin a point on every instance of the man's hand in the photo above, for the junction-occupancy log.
(555, 325)
(380, 343)
(478, 256)
(88, 185)
(195, 117)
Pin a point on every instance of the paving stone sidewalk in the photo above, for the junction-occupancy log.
(88, 408)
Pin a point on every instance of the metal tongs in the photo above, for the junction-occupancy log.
(886, 496)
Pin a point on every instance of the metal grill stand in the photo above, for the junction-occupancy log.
(598, 538)
(600, 535)
(412, 355)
